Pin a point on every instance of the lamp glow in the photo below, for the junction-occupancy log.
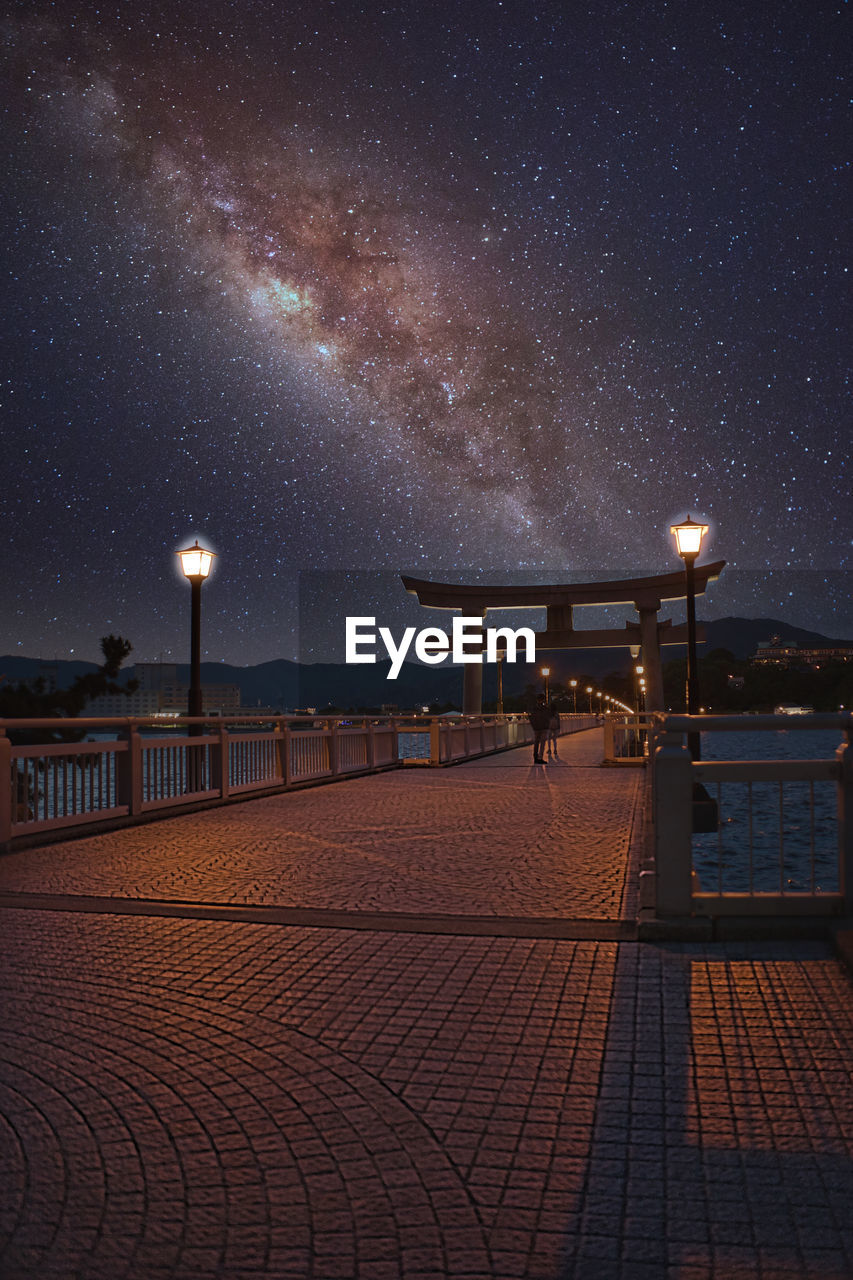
(688, 537)
(196, 561)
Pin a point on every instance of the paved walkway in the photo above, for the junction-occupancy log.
(499, 836)
(215, 1097)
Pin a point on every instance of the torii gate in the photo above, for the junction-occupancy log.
(646, 595)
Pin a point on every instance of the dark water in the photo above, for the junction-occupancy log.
(794, 836)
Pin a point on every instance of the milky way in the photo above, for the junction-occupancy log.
(475, 290)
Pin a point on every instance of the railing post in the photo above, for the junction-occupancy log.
(129, 772)
(220, 770)
(285, 763)
(673, 816)
(334, 749)
(609, 741)
(371, 745)
(8, 786)
(844, 756)
(435, 741)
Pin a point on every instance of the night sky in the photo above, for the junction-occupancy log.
(446, 289)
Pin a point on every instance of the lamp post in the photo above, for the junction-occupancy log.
(196, 564)
(546, 671)
(574, 687)
(688, 539)
(589, 695)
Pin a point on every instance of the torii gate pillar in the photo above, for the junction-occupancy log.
(650, 649)
(472, 688)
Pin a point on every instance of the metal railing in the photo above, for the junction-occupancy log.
(142, 767)
(780, 838)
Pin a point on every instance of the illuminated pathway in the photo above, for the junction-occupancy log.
(225, 1095)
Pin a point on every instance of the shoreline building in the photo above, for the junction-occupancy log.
(777, 652)
(160, 693)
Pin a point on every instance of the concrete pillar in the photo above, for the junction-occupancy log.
(472, 689)
(673, 818)
(651, 656)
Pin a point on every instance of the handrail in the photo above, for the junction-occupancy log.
(842, 720)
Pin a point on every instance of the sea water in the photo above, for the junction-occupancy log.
(794, 836)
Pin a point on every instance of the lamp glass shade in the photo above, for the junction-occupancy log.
(688, 536)
(546, 671)
(196, 561)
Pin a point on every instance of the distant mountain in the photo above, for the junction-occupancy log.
(743, 635)
(15, 668)
(284, 684)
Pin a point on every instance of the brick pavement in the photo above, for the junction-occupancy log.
(208, 1098)
(498, 836)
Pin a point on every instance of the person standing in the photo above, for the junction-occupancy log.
(553, 728)
(539, 717)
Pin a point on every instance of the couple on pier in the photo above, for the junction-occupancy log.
(545, 722)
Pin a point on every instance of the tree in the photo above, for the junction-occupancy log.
(31, 700)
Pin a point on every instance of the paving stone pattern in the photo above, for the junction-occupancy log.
(202, 1098)
(498, 836)
(183, 1099)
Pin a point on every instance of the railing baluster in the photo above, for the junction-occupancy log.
(811, 836)
(719, 839)
(781, 841)
(751, 842)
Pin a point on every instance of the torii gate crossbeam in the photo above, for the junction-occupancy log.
(645, 594)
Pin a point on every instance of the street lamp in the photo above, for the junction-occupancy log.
(196, 563)
(589, 692)
(546, 671)
(573, 684)
(688, 539)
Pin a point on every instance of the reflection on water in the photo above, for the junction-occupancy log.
(413, 746)
(794, 837)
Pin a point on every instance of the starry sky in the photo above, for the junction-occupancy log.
(486, 290)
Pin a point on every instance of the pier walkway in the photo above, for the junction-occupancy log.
(399, 1027)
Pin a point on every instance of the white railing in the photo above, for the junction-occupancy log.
(144, 768)
(626, 738)
(799, 808)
